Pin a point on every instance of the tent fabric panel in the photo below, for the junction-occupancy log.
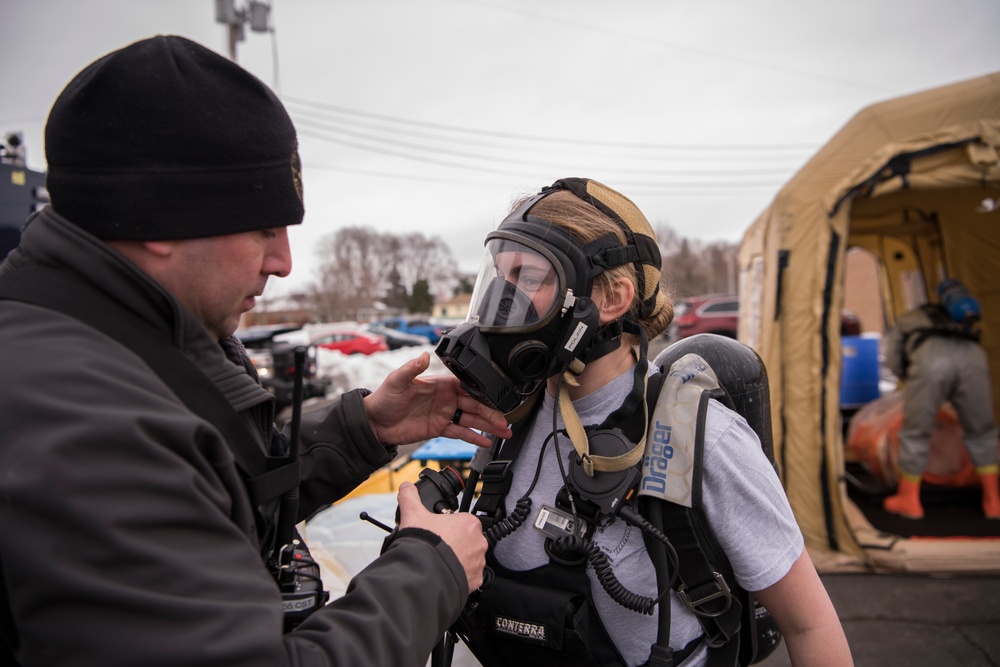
(798, 328)
(935, 159)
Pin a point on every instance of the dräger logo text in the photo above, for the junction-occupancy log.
(657, 460)
(688, 369)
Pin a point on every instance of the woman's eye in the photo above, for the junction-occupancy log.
(531, 283)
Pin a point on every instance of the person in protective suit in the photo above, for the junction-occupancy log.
(567, 298)
(935, 351)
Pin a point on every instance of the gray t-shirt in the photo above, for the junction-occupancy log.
(743, 499)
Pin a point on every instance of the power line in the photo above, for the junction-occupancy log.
(425, 149)
(392, 153)
(651, 187)
(547, 138)
(351, 125)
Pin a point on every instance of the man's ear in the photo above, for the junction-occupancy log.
(617, 299)
(143, 253)
(159, 248)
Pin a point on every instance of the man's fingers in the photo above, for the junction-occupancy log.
(408, 499)
(478, 417)
(408, 372)
(475, 432)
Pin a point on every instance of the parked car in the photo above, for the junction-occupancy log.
(413, 326)
(719, 314)
(397, 339)
(350, 341)
(710, 313)
(274, 360)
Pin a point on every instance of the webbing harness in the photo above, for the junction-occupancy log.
(942, 326)
(706, 584)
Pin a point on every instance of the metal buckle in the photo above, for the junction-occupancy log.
(694, 605)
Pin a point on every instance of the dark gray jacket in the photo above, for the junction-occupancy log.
(126, 533)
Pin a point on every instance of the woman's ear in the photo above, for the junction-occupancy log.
(617, 299)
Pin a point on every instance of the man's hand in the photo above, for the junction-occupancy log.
(407, 409)
(462, 532)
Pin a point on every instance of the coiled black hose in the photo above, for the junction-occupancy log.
(510, 523)
(614, 588)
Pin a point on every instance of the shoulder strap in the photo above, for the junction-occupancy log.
(672, 470)
(669, 469)
(266, 478)
(941, 325)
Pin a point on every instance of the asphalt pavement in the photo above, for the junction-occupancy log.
(900, 620)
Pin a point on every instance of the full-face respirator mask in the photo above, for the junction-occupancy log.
(531, 316)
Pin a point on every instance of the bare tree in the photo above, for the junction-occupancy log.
(720, 259)
(667, 239)
(429, 259)
(687, 270)
(323, 300)
(353, 270)
(691, 268)
(359, 266)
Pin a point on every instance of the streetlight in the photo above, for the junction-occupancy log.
(256, 13)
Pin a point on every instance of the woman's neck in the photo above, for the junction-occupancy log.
(598, 373)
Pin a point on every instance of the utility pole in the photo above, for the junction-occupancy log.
(256, 13)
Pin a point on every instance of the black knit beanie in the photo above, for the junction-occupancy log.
(165, 139)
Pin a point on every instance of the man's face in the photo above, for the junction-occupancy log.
(218, 277)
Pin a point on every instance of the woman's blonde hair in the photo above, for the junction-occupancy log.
(586, 223)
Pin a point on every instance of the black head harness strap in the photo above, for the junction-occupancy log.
(640, 248)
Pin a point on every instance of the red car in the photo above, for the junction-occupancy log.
(720, 314)
(710, 313)
(352, 342)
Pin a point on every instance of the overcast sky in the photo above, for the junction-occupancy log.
(431, 116)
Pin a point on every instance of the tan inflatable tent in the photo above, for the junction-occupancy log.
(916, 180)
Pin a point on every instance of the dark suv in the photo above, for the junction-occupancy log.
(275, 363)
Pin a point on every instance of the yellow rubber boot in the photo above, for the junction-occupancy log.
(906, 502)
(990, 482)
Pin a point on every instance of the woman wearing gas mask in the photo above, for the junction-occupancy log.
(567, 298)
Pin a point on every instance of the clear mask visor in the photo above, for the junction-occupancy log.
(518, 289)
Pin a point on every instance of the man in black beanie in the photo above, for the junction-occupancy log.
(146, 498)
